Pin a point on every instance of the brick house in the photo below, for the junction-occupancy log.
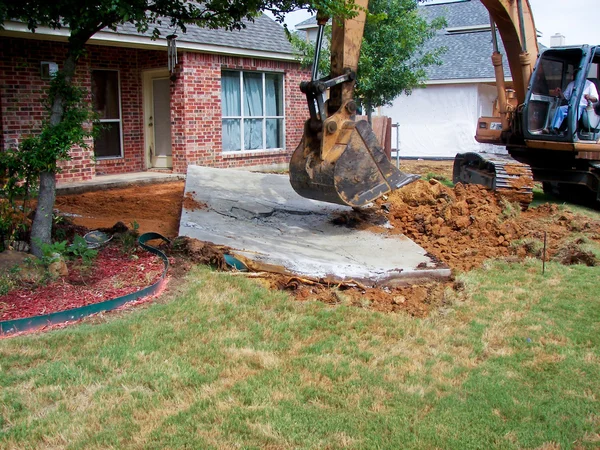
(232, 100)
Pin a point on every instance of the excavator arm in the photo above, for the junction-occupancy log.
(514, 21)
(340, 160)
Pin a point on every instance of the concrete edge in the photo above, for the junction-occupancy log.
(78, 188)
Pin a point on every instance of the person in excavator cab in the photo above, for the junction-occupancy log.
(590, 95)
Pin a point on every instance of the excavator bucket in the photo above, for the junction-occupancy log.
(343, 164)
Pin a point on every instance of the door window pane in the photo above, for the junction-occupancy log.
(161, 96)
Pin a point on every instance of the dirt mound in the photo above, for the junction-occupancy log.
(575, 252)
(468, 224)
(459, 226)
(464, 226)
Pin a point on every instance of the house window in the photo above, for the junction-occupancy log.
(252, 104)
(106, 102)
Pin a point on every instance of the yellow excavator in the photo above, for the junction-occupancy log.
(339, 160)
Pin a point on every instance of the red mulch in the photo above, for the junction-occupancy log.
(112, 274)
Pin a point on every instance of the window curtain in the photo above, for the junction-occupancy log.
(274, 133)
(230, 94)
(253, 106)
(273, 99)
(273, 95)
(231, 104)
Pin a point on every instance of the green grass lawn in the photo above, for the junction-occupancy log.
(220, 362)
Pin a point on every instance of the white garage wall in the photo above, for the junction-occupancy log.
(440, 120)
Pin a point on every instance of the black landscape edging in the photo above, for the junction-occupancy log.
(30, 323)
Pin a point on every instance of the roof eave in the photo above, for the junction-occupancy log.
(113, 39)
(463, 81)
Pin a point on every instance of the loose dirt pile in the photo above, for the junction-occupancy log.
(417, 298)
(464, 226)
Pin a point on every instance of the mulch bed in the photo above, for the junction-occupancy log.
(112, 274)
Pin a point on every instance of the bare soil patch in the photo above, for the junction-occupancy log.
(155, 207)
(425, 167)
(467, 225)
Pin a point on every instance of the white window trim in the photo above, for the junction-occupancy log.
(264, 117)
(120, 119)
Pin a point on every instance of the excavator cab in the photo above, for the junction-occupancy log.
(340, 160)
(547, 114)
(550, 137)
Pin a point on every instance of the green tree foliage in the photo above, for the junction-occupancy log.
(392, 59)
(84, 18)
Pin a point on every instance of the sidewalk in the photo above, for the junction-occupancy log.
(102, 182)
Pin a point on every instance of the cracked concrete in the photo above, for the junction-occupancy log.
(262, 217)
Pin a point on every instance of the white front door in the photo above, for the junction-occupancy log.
(157, 115)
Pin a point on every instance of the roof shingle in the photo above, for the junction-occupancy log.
(262, 34)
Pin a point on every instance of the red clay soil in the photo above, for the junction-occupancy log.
(417, 298)
(155, 207)
(113, 274)
(466, 225)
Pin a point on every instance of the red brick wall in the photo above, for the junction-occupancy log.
(195, 104)
(23, 93)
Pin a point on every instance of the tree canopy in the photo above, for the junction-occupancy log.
(393, 58)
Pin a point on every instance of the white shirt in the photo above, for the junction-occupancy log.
(589, 89)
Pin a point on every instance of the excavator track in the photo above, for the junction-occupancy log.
(499, 173)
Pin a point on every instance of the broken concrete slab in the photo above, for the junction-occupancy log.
(263, 218)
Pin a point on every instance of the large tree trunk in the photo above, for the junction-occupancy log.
(369, 113)
(41, 228)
